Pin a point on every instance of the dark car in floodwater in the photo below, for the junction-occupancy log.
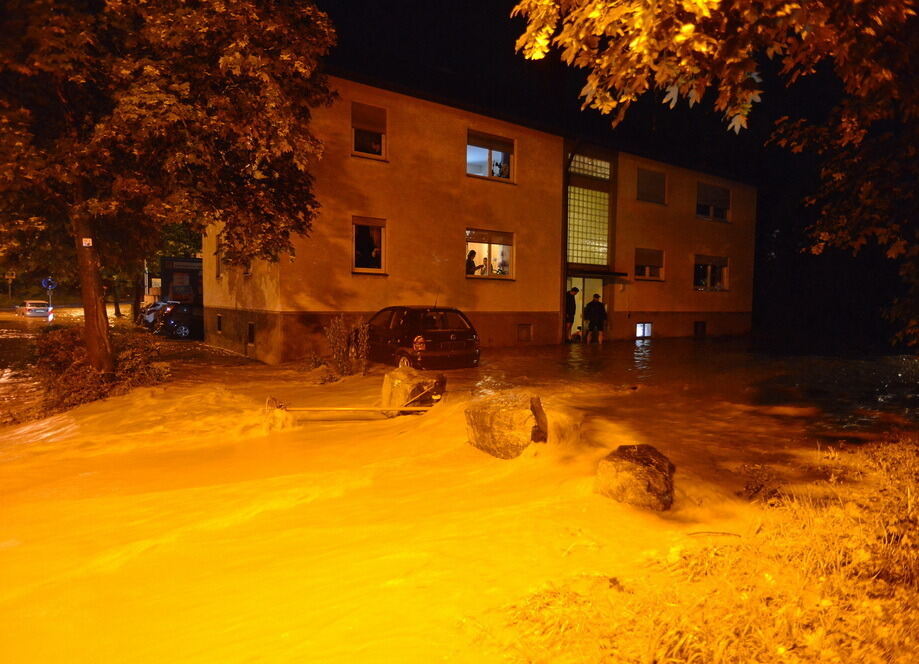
(182, 321)
(423, 337)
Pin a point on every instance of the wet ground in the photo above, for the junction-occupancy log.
(175, 523)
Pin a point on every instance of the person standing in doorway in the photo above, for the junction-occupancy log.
(595, 315)
(571, 307)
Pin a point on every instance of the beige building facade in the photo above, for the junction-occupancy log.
(408, 189)
(670, 250)
(425, 204)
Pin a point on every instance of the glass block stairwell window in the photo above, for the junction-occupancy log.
(588, 226)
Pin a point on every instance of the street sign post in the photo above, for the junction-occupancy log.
(49, 284)
(9, 276)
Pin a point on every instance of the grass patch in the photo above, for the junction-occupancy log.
(830, 576)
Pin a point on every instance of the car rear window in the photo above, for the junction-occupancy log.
(443, 320)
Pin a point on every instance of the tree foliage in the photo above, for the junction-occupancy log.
(129, 116)
(684, 49)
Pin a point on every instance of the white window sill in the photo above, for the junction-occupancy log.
(490, 277)
(367, 270)
(660, 279)
(490, 178)
(371, 157)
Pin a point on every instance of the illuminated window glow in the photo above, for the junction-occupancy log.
(592, 168)
(494, 254)
(588, 226)
(489, 156)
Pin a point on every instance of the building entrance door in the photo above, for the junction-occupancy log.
(587, 287)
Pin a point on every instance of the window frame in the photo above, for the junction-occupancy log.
(710, 215)
(638, 189)
(487, 141)
(662, 266)
(712, 261)
(358, 220)
(513, 264)
(384, 142)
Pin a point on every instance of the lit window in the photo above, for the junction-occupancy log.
(489, 156)
(643, 330)
(588, 226)
(369, 236)
(489, 254)
(592, 168)
(713, 202)
(652, 186)
(368, 127)
(710, 273)
(649, 264)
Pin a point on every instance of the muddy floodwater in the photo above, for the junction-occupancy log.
(185, 523)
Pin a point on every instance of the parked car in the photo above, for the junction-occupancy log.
(34, 308)
(147, 315)
(423, 337)
(183, 321)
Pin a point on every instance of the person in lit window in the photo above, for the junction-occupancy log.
(595, 315)
(471, 267)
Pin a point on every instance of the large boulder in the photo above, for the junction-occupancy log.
(409, 387)
(505, 424)
(638, 475)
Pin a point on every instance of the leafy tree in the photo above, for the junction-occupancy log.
(686, 49)
(122, 118)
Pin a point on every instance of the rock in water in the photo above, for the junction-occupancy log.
(406, 386)
(505, 424)
(638, 475)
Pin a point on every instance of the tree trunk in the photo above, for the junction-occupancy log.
(115, 297)
(95, 320)
(137, 295)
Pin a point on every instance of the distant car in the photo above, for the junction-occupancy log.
(182, 321)
(34, 308)
(147, 316)
(423, 337)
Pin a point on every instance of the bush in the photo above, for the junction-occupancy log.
(67, 379)
(347, 343)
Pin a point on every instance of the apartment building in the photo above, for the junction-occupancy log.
(408, 188)
(669, 249)
(424, 203)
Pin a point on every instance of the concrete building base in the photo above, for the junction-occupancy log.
(681, 323)
(275, 337)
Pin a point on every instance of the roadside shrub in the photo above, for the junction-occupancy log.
(67, 379)
(338, 336)
(348, 343)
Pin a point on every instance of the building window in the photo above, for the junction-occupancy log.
(652, 186)
(368, 128)
(219, 323)
(710, 273)
(649, 264)
(489, 156)
(642, 330)
(588, 226)
(250, 333)
(524, 332)
(489, 254)
(698, 329)
(713, 202)
(369, 244)
(592, 168)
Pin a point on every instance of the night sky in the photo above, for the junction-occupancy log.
(462, 53)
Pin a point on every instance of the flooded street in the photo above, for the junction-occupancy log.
(179, 523)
